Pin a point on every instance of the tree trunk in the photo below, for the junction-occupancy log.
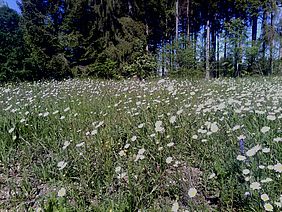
(163, 58)
(217, 58)
(225, 55)
(213, 50)
(236, 60)
(176, 32)
(146, 26)
(188, 22)
(176, 20)
(195, 50)
(147, 35)
(280, 55)
(271, 41)
(254, 28)
(264, 26)
(208, 50)
(254, 39)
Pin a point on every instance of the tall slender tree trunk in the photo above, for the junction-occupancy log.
(208, 50)
(254, 39)
(271, 43)
(163, 58)
(195, 49)
(217, 58)
(171, 53)
(213, 50)
(188, 22)
(264, 26)
(147, 35)
(280, 54)
(176, 19)
(225, 55)
(146, 26)
(236, 56)
(254, 28)
(176, 31)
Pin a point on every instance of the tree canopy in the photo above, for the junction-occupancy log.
(67, 38)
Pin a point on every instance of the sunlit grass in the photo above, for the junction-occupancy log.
(158, 145)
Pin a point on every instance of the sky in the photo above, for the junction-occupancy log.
(13, 4)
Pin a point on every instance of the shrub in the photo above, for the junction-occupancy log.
(143, 67)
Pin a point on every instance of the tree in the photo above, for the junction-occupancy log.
(12, 49)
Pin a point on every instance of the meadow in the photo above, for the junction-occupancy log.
(160, 145)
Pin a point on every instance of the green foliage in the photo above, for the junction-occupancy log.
(143, 67)
(107, 69)
(58, 39)
(11, 46)
(187, 65)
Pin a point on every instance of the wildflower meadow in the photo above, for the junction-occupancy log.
(156, 145)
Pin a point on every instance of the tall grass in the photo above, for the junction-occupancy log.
(82, 145)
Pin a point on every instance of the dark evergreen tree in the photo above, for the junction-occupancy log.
(12, 49)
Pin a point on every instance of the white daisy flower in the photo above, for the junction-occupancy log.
(241, 158)
(61, 192)
(168, 160)
(264, 197)
(268, 207)
(175, 207)
(265, 129)
(255, 186)
(192, 192)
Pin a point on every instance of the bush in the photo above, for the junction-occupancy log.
(143, 67)
(107, 69)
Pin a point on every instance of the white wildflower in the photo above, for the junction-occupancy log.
(266, 180)
(214, 127)
(127, 146)
(133, 138)
(264, 197)
(266, 150)
(172, 119)
(11, 130)
(246, 171)
(255, 186)
(118, 169)
(80, 144)
(168, 160)
(241, 158)
(268, 207)
(212, 176)
(194, 136)
(170, 144)
(265, 129)
(67, 109)
(122, 153)
(278, 167)
(175, 207)
(251, 152)
(61, 192)
(66, 144)
(61, 165)
(192, 192)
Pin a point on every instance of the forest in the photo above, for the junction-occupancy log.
(57, 39)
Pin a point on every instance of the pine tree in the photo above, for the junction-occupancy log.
(12, 49)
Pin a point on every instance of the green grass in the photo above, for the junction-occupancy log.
(103, 170)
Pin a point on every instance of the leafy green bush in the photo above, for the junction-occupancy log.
(143, 67)
(107, 69)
